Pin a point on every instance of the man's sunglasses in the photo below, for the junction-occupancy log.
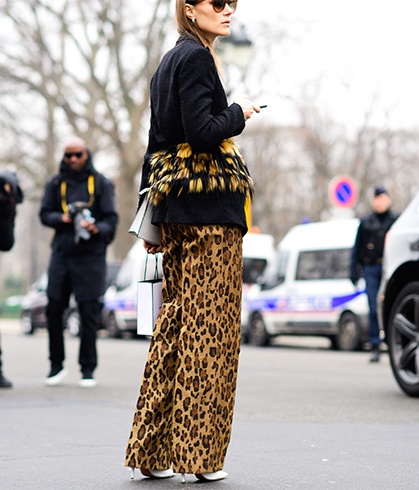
(70, 154)
(219, 5)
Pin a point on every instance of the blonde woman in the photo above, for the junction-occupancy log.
(198, 184)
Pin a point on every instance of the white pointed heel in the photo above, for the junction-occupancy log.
(183, 477)
(216, 476)
(132, 473)
(158, 473)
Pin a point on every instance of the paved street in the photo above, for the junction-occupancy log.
(306, 418)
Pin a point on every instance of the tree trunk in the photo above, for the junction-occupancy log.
(126, 194)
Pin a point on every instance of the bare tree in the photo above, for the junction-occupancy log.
(80, 67)
(277, 164)
(322, 139)
(293, 166)
(395, 155)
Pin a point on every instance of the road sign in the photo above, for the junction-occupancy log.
(343, 191)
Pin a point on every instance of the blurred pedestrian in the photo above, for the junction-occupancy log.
(367, 255)
(10, 195)
(198, 184)
(78, 203)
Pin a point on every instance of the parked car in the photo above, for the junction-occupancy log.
(34, 303)
(33, 309)
(398, 298)
(308, 291)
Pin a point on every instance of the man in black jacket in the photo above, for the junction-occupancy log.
(79, 204)
(10, 195)
(367, 255)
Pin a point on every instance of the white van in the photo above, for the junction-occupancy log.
(258, 253)
(308, 291)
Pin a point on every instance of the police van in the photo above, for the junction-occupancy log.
(307, 290)
(258, 254)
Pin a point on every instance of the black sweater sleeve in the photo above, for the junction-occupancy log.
(197, 82)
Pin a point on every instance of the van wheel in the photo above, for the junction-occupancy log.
(403, 339)
(112, 326)
(349, 336)
(257, 332)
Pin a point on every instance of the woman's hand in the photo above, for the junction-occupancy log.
(248, 107)
(152, 249)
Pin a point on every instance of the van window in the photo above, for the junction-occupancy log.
(275, 273)
(323, 264)
(253, 270)
(125, 274)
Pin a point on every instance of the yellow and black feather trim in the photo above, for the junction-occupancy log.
(182, 170)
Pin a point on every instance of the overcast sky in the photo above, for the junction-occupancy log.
(361, 47)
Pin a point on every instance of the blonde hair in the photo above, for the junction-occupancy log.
(186, 27)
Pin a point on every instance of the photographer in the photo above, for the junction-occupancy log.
(79, 204)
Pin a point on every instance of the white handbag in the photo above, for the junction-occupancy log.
(149, 299)
(141, 226)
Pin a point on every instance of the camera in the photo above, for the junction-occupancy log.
(79, 211)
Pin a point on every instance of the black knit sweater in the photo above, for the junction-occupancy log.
(189, 104)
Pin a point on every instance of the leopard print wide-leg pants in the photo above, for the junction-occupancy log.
(185, 407)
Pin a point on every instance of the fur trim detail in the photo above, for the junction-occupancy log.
(181, 170)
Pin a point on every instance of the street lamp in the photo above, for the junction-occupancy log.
(235, 51)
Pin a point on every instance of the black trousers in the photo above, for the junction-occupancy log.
(89, 321)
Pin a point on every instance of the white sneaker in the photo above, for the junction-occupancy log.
(87, 380)
(55, 377)
(87, 383)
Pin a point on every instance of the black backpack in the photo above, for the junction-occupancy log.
(10, 195)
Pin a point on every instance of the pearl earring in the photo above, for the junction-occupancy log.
(193, 20)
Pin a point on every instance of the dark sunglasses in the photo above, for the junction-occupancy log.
(219, 5)
(77, 154)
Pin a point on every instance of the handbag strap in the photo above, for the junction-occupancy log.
(156, 269)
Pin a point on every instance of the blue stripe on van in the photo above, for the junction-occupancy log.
(302, 303)
(341, 300)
